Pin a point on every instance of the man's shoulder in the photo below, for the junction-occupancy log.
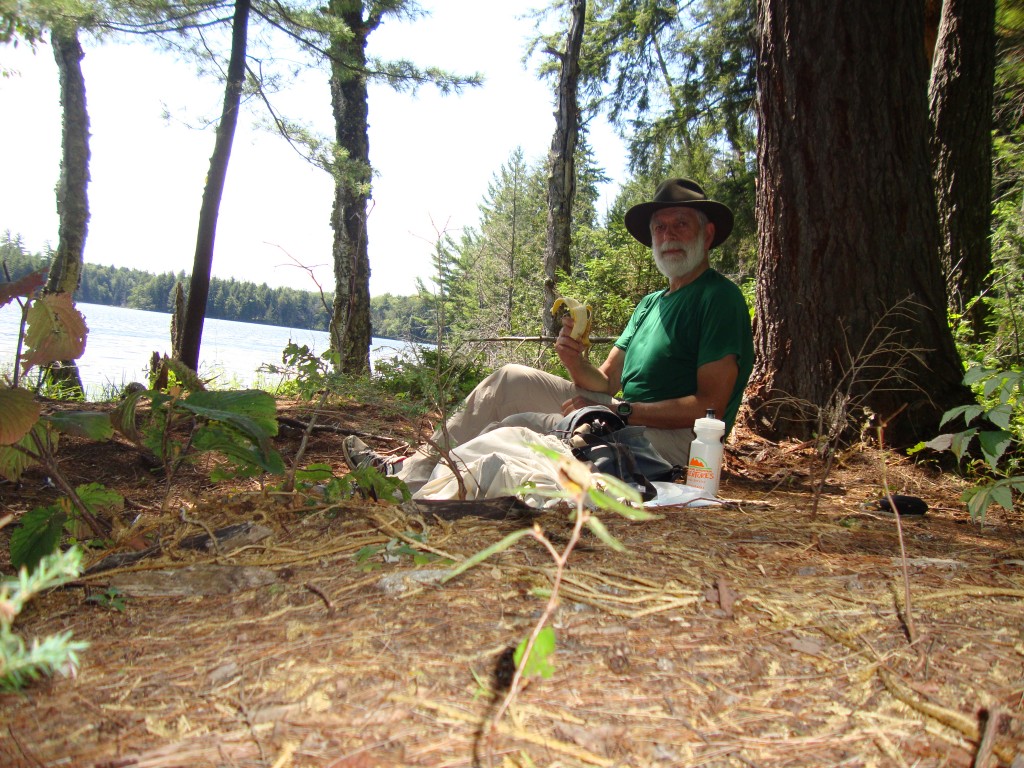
(713, 281)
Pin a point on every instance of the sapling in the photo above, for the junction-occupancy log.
(585, 490)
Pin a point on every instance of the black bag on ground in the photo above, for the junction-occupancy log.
(598, 435)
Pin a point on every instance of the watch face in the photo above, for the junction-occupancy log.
(624, 409)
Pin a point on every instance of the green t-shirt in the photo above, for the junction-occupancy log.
(671, 335)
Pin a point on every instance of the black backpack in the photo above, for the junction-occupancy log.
(597, 435)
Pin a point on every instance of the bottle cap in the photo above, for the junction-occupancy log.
(709, 422)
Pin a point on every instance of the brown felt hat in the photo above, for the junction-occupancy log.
(679, 193)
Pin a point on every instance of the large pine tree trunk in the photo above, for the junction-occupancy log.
(72, 189)
(562, 176)
(350, 320)
(849, 272)
(202, 265)
(961, 94)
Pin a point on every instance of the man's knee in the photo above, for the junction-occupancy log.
(505, 376)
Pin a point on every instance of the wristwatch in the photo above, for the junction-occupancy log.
(625, 410)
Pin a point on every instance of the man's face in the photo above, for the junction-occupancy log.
(678, 241)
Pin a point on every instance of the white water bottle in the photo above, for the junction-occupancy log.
(705, 466)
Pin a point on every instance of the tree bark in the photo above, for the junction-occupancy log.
(350, 320)
(961, 95)
(72, 189)
(562, 178)
(850, 301)
(202, 265)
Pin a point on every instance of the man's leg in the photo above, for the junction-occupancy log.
(510, 390)
(672, 444)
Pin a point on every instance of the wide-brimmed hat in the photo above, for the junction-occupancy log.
(679, 193)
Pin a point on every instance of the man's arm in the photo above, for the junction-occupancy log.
(585, 374)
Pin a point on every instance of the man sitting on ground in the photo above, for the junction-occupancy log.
(687, 349)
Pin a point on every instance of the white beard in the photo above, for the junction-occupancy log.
(676, 265)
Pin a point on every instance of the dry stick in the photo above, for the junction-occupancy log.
(948, 717)
(321, 594)
(43, 456)
(907, 606)
(209, 531)
(988, 739)
(21, 748)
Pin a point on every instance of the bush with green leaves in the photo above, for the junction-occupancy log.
(997, 421)
(182, 420)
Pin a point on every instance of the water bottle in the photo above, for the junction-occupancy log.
(705, 466)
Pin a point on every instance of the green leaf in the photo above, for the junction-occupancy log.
(621, 489)
(977, 502)
(315, 473)
(597, 527)
(403, 549)
(1002, 495)
(483, 554)
(248, 459)
(99, 499)
(604, 500)
(37, 536)
(938, 443)
(252, 411)
(969, 412)
(975, 374)
(14, 461)
(994, 444)
(123, 417)
(1001, 415)
(539, 661)
(19, 411)
(962, 441)
(56, 331)
(365, 553)
(88, 424)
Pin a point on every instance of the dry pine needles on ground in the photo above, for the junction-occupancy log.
(752, 634)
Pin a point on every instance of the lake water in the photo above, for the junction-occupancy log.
(121, 342)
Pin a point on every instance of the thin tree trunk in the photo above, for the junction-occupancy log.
(851, 303)
(72, 189)
(199, 287)
(961, 94)
(350, 320)
(562, 178)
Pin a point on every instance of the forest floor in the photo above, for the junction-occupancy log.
(773, 630)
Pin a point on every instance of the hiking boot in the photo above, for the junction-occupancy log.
(359, 455)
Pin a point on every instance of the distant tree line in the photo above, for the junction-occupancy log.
(393, 317)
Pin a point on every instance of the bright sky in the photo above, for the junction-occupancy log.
(434, 155)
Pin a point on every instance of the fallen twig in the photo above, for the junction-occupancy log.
(320, 593)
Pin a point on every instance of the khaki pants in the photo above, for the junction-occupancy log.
(520, 396)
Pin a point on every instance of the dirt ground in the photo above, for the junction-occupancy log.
(761, 632)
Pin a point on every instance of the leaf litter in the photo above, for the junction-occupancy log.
(750, 634)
